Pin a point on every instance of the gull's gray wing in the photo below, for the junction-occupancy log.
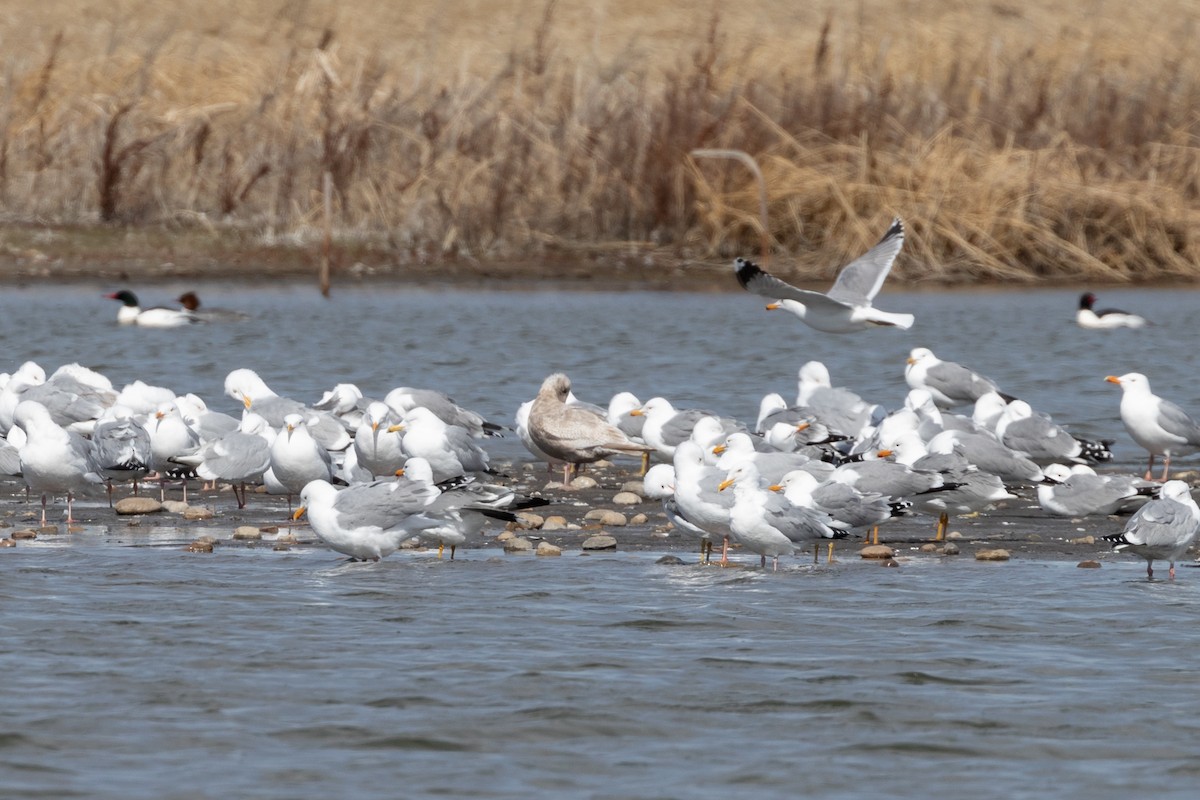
(1175, 420)
(377, 504)
(1038, 437)
(861, 279)
(796, 523)
(957, 382)
(767, 285)
(679, 427)
(1159, 523)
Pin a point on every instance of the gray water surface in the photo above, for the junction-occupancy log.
(134, 669)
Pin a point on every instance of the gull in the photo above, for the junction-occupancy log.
(950, 383)
(346, 402)
(170, 438)
(450, 450)
(131, 313)
(768, 523)
(1105, 319)
(296, 458)
(1157, 425)
(659, 484)
(238, 457)
(378, 441)
(846, 307)
(665, 426)
(845, 504)
(573, 435)
(1164, 528)
(26, 376)
(772, 464)
(1038, 438)
(52, 459)
(698, 496)
(1080, 492)
(367, 521)
(404, 399)
(120, 450)
(75, 396)
(989, 454)
(838, 407)
(252, 391)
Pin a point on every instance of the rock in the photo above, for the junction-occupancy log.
(7, 543)
(505, 536)
(547, 549)
(529, 521)
(950, 549)
(1083, 540)
(281, 546)
(606, 517)
(1088, 565)
(889, 562)
(555, 523)
(929, 547)
(287, 538)
(599, 542)
(197, 512)
(876, 551)
(627, 499)
(174, 506)
(199, 547)
(673, 561)
(954, 535)
(138, 505)
(581, 483)
(638, 519)
(49, 530)
(24, 533)
(518, 545)
(269, 529)
(247, 533)
(636, 487)
(206, 539)
(998, 554)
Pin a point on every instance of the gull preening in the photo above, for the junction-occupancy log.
(846, 307)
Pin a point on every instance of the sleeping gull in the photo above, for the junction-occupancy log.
(52, 459)
(450, 449)
(1158, 425)
(120, 450)
(1037, 437)
(1105, 319)
(847, 306)
(404, 399)
(1164, 528)
(1067, 492)
(573, 435)
(950, 383)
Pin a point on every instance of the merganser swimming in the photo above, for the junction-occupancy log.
(158, 317)
(1087, 317)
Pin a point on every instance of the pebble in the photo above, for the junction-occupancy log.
(951, 549)
(198, 512)
(199, 546)
(954, 535)
(627, 499)
(606, 517)
(505, 536)
(7, 543)
(638, 519)
(673, 561)
(138, 505)
(600, 542)
(555, 523)
(636, 487)
(876, 551)
(247, 533)
(1088, 565)
(547, 549)
(24, 533)
(281, 546)
(175, 506)
(999, 554)
(518, 545)
(889, 562)
(48, 529)
(581, 483)
(1083, 540)
(269, 529)
(929, 547)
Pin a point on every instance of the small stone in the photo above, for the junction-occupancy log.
(889, 562)
(137, 505)
(1083, 540)
(269, 529)
(287, 538)
(174, 506)
(505, 536)
(24, 533)
(49, 530)
(950, 549)
(581, 483)
(547, 549)
(627, 499)
(599, 542)
(518, 545)
(999, 554)
(606, 517)
(555, 523)
(200, 547)
(247, 533)
(929, 547)
(876, 551)
(206, 539)
(5, 523)
(7, 543)
(638, 519)
(954, 535)
(637, 487)
(530, 521)
(281, 546)
(197, 512)
(1088, 565)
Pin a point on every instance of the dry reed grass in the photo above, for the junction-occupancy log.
(1018, 143)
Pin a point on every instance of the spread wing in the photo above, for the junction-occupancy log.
(862, 278)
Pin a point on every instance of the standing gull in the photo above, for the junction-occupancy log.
(1163, 528)
(1158, 425)
(573, 435)
(369, 520)
(52, 459)
(846, 307)
(120, 451)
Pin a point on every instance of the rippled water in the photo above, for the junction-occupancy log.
(145, 671)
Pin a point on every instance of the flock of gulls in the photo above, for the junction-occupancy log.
(371, 473)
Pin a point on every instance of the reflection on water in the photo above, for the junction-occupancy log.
(152, 672)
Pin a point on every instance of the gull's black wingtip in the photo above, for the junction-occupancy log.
(897, 229)
(746, 271)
